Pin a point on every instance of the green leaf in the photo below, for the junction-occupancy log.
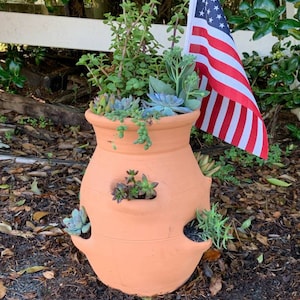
(85, 228)
(236, 20)
(193, 104)
(295, 33)
(268, 5)
(158, 86)
(14, 67)
(260, 258)
(34, 187)
(278, 12)
(19, 81)
(244, 6)
(246, 224)
(278, 182)
(262, 13)
(267, 28)
(21, 202)
(4, 186)
(288, 23)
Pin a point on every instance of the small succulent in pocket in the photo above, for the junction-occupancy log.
(78, 224)
(209, 224)
(133, 188)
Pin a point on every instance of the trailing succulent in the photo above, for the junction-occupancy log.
(134, 189)
(78, 224)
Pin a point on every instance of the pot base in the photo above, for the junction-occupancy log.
(143, 268)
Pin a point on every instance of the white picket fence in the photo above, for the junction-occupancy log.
(92, 34)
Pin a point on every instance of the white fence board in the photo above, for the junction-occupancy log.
(90, 34)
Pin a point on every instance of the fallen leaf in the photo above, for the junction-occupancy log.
(25, 235)
(30, 270)
(13, 275)
(2, 290)
(34, 187)
(54, 231)
(288, 177)
(70, 192)
(30, 225)
(4, 186)
(38, 174)
(48, 274)
(20, 208)
(260, 258)
(222, 265)
(29, 296)
(215, 285)
(251, 247)
(262, 187)
(28, 146)
(211, 255)
(21, 202)
(15, 170)
(7, 252)
(5, 228)
(262, 239)
(276, 214)
(225, 199)
(245, 225)
(278, 182)
(39, 215)
(231, 246)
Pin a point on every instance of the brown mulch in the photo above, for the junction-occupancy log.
(39, 261)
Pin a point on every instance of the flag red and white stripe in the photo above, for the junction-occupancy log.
(230, 111)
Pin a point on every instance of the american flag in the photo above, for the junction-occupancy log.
(230, 111)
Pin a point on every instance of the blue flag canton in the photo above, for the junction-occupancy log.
(212, 12)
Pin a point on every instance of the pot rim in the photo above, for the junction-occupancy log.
(167, 121)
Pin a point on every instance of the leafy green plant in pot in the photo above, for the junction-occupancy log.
(137, 83)
(142, 117)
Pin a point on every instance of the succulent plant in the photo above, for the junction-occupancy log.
(114, 108)
(78, 223)
(180, 92)
(134, 69)
(164, 105)
(102, 104)
(207, 165)
(125, 103)
(134, 189)
(212, 225)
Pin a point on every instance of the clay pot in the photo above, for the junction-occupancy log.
(138, 246)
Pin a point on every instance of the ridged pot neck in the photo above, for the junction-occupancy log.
(167, 133)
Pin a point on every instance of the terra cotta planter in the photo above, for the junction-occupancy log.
(138, 246)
